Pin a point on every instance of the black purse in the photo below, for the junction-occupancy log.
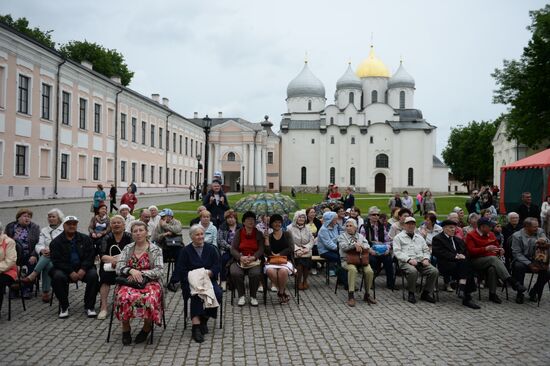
(124, 281)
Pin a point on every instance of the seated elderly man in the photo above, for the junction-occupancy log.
(530, 254)
(72, 254)
(145, 217)
(413, 255)
(483, 248)
(508, 230)
(451, 256)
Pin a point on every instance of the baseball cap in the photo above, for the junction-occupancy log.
(70, 218)
(410, 219)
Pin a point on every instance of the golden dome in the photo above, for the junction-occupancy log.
(372, 66)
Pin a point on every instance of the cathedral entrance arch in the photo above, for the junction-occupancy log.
(379, 183)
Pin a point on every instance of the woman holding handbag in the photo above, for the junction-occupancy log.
(109, 251)
(354, 253)
(278, 249)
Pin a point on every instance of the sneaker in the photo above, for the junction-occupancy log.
(332, 273)
(224, 286)
(91, 313)
(253, 301)
(274, 289)
(242, 301)
(314, 271)
(64, 313)
(102, 315)
(448, 288)
(260, 289)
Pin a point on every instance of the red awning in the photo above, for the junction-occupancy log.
(539, 160)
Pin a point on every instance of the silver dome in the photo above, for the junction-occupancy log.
(401, 78)
(349, 80)
(305, 85)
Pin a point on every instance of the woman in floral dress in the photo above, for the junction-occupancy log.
(139, 261)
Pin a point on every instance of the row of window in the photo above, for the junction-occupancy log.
(373, 97)
(332, 178)
(231, 157)
(184, 177)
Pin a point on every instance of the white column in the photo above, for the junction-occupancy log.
(250, 167)
(217, 162)
(264, 166)
(258, 165)
(244, 161)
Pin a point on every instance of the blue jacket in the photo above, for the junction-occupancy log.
(327, 239)
(188, 260)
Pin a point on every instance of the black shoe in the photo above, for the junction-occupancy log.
(519, 298)
(412, 298)
(467, 301)
(126, 338)
(141, 337)
(494, 298)
(516, 286)
(172, 287)
(196, 333)
(426, 296)
(204, 326)
(533, 296)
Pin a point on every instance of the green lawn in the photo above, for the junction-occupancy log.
(185, 211)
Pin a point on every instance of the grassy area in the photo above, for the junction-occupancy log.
(185, 211)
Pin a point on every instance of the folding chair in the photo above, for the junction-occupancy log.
(18, 284)
(186, 312)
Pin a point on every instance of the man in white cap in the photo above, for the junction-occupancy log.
(72, 254)
(124, 211)
(413, 256)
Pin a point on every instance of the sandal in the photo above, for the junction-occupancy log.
(283, 298)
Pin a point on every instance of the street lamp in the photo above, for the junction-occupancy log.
(242, 181)
(197, 178)
(206, 127)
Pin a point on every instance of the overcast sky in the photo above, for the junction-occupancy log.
(238, 57)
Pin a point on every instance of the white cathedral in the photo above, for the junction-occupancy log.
(371, 138)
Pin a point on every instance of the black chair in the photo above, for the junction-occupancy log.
(263, 281)
(186, 312)
(401, 273)
(163, 310)
(18, 284)
(296, 290)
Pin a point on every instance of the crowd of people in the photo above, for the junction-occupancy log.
(130, 253)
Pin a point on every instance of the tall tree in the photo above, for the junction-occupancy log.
(107, 62)
(524, 85)
(22, 25)
(469, 152)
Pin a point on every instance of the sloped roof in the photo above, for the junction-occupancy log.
(438, 163)
(538, 160)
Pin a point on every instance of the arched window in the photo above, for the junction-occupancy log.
(231, 156)
(331, 120)
(309, 105)
(304, 175)
(351, 97)
(332, 175)
(374, 96)
(382, 161)
(410, 177)
(352, 176)
(350, 120)
(332, 140)
(401, 99)
(353, 140)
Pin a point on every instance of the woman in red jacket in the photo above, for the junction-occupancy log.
(129, 198)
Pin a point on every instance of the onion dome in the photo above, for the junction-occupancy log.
(305, 85)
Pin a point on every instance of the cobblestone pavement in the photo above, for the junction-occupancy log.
(322, 330)
(77, 206)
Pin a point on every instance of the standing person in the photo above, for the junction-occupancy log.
(407, 201)
(26, 234)
(349, 198)
(303, 245)
(395, 201)
(545, 215)
(99, 197)
(216, 202)
(129, 198)
(72, 255)
(472, 202)
(112, 198)
(428, 203)
(8, 259)
(133, 187)
(47, 234)
(191, 191)
(335, 193)
(418, 203)
(329, 191)
(527, 208)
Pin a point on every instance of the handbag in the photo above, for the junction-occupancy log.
(358, 258)
(277, 260)
(107, 266)
(124, 281)
(255, 263)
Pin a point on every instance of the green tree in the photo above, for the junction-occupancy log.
(107, 62)
(524, 85)
(22, 25)
(469, 152)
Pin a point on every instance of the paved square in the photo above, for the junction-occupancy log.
(322, 330)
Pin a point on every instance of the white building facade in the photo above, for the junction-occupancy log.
(371, 138)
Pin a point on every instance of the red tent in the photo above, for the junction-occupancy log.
(525, 175)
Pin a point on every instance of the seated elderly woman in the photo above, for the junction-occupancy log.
(141, 263)
(26, 234)
(8, 259)
(303, 245)
(279, 243)
(247, 251)
(351, 241)
(168, 236)
(210, 231)
(109, 252)
(199, 264)
(44, 265)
